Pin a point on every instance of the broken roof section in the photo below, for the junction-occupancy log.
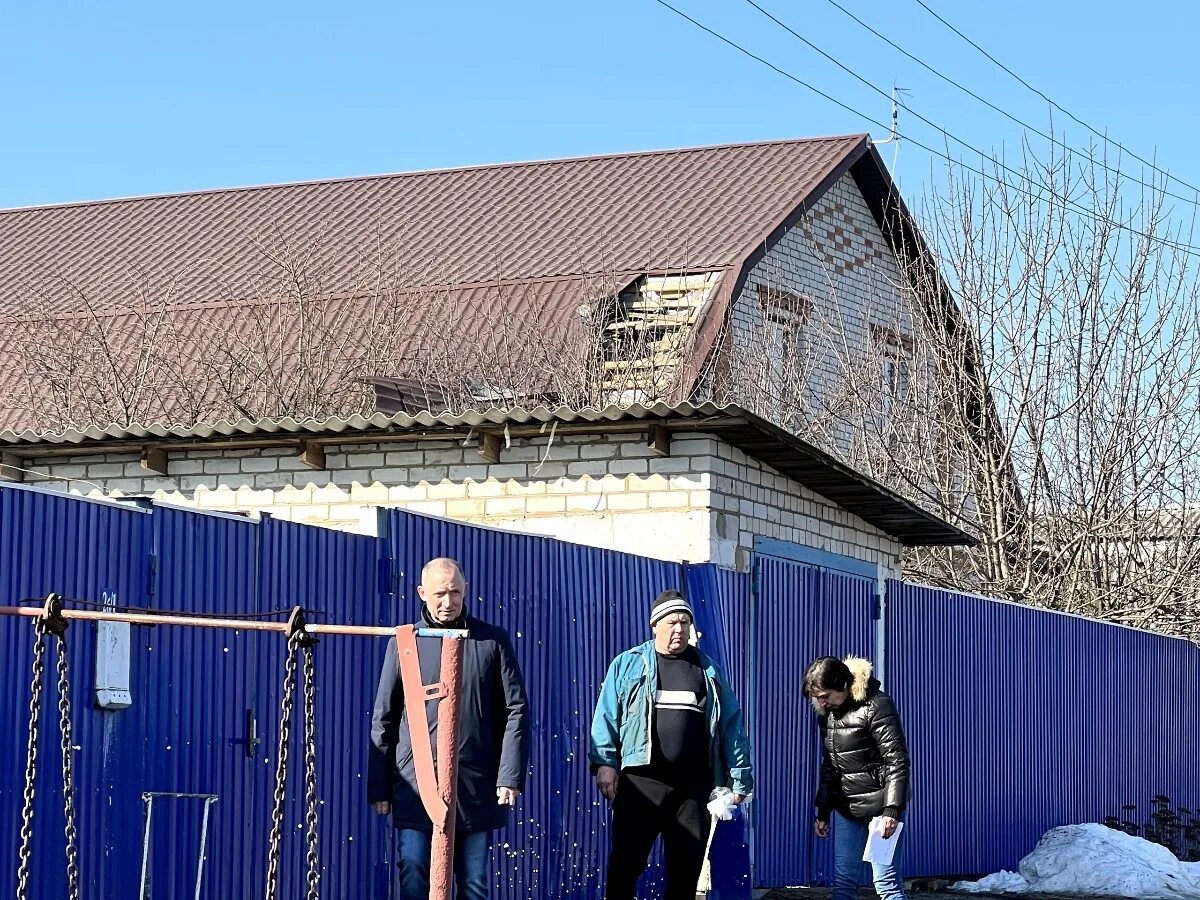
(527, 242)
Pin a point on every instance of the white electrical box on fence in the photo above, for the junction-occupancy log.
(112, 665)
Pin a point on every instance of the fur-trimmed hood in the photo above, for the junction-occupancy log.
(862, 684)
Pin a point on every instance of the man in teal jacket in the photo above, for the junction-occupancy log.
(666, 732)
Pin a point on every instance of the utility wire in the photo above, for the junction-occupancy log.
(1012, 118)
(1057, 106)
(883, 93)
(1191, 249)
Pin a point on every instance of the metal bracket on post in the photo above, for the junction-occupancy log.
(437, 787)
(52, 617)
(881, 627)
(297, 627)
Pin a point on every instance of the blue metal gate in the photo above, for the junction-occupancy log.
(199, 712)
(797, 613)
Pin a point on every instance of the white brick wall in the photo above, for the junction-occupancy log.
(750, 499)
(705, 502)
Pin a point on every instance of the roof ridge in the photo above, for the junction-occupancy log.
(240, 189)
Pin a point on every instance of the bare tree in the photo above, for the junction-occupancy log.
(1028, 370)
(302, 336)
(1052, 397)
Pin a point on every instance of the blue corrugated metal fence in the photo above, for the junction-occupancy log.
(81, 549)
(1019, 719)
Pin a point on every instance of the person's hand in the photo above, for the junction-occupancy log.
(821, 827)
(507, 796)
(887, 826)
(739, 799)
(383, 807)
(606, 781)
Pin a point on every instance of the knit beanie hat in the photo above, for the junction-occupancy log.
(668, 603)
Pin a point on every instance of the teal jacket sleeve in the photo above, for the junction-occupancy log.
(605, 747)
(735, 744)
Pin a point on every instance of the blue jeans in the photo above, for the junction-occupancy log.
(472, 853)
(849, 842)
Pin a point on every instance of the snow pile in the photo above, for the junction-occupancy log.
(1098, 861)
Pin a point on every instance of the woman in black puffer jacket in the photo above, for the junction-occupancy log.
(864, 770)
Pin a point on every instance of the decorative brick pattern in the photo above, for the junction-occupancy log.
(838, 262)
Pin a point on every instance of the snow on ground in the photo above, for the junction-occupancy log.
(1098, 861)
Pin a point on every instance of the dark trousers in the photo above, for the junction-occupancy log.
(643, 809)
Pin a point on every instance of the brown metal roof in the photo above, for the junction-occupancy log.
(794, 457)
(658, 211)
(529, 239)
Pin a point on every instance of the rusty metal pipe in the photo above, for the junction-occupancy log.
(203, 621)
(34, 612)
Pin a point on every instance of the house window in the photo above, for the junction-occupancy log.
(896, 375)
(784, 318)
(896, 354)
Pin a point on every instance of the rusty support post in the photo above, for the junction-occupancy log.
(441, 863)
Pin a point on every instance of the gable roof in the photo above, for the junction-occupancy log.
(528, 239)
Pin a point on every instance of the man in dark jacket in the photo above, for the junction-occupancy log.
(493, 741)
(864, 770)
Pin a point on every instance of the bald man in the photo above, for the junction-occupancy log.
(493, 742)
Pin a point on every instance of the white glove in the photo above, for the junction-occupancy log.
(721, 805)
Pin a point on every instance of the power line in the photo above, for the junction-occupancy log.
(1012, 118)
(1057, 106)
(1191, 249)
(883, 93)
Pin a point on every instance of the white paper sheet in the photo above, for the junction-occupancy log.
(880, 849)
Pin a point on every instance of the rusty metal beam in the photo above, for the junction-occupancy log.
(441, 856)
(200, 621)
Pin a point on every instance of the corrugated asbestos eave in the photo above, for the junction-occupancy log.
(791, 455)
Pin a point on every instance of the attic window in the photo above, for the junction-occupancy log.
(784, 317)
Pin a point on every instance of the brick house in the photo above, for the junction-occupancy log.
(623, 332)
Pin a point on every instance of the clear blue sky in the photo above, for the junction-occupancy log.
(124, 98)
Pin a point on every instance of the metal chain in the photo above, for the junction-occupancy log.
(285, 728)
(310, 772)
(31, 754)
(68, 777)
